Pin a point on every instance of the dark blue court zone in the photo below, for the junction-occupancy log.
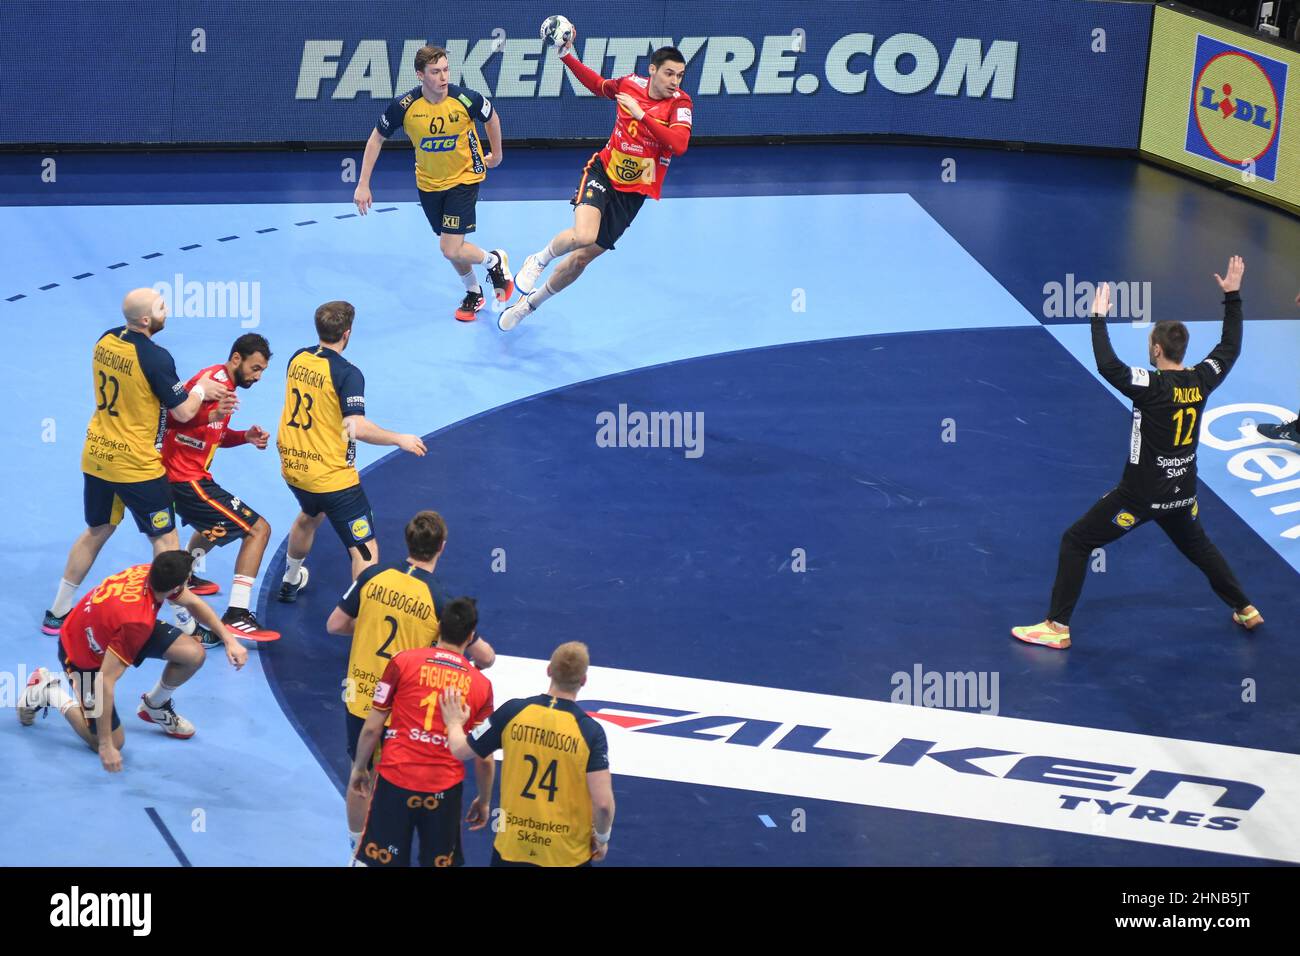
(919, 550)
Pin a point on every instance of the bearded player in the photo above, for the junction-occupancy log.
(652, 125)
(217, 516)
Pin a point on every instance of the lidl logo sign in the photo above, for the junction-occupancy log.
(1235, 115)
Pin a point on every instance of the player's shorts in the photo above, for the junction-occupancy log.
(354, 727)
(397, 814)
(212, 511)
(499, 860)
(85, 683)
(617, 209)
(150, 503)
(451, 210)
(348, 512)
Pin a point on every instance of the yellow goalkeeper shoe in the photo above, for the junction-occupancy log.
(1043, 633)
(1249, 617)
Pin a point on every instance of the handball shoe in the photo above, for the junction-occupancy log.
(202, 586)
(242, 622)
(512, 316)
(526, 278)
(36, 695)
(1249, 617)
(1043, 634)
(502, 281)
(467, 311)
(207, 638)
(289, 592)
(52, 624)
(1288, 432)
(165, 717)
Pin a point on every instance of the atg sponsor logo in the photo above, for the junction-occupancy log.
(1127, 787)
(1235, 117)
(438, 144)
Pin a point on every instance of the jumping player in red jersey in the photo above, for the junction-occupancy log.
(112, 628)
(653, 125)
(419, 781)
(217, 516)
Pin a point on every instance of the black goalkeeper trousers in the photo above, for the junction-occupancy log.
(1114, 516)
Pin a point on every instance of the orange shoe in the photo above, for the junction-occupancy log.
(467, 311)
(1249, 618)
(1044, 633)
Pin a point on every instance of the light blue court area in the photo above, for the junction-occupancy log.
(1258, 478)
(693, 277)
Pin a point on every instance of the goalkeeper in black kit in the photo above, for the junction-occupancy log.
(1159, 482)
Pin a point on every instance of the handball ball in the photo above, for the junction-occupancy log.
(558, 32)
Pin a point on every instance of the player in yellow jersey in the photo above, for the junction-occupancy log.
(324, 417)
(387, 611)
(557, 796)
(134, 382)
(439, 117)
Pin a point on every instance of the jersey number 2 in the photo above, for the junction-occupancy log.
(547, 774)
(392, 633)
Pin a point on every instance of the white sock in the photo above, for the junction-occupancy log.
(540, 294)
(185, 621)
(60, 699)
(471, 283)
(64, 600)
(241, 591)
(160, 694)
(546, 255)
(292, 569)
(354, 836)
(489, 259)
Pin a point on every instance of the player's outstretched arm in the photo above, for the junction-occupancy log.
(205, 389)
(363, 429)
(1129, 381)
(589, 77)
(361, 196)
(1224, 355)
(235, 652)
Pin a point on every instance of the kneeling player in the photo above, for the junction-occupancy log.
(114, 627)
(419, 781)
(217, 516)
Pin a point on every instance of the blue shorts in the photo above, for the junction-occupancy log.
(150, 503)
(348, 512)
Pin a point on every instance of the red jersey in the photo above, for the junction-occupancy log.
(637, 155)
(415, 755)
(188, 448)
(117, 616)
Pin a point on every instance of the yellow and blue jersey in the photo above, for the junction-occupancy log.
(321, 389)
(447, 148)
(396, 609)
(134, 383)
(548, 745)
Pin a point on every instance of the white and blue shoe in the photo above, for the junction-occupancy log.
(512, 316)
